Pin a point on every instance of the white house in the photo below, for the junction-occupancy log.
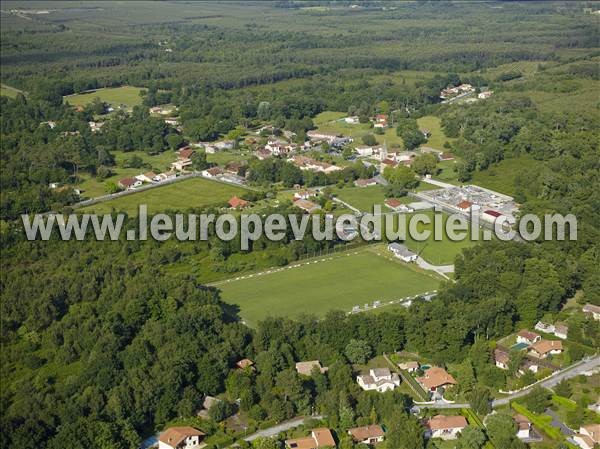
(402, 252)
(592, 310)
(364, 151)
(129, 183)
(588, 436)
(543, 348)
(147, 177)
(501, 358)
(378, 379)
(527, 337)
(351, 120)
(445, 427)
(544, 327)
(523, 427)
(372, 434)
(184, 437)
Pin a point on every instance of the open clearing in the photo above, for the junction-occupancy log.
(8, 91)
(127, 95)
(433, 125)
(333, 282)
(191, 193)
(501, 176)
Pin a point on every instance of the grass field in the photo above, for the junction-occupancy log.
(8, 91)
(329, 121)
(115, 96)
(339, 282)
(437, 138)
(501, 177)
(364, 198)
(195, 192)
(437, 252)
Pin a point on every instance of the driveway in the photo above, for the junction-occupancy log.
(567, 373)
(557, 422)
(282, 427)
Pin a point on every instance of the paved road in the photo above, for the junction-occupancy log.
(568, 373)
(557, 422)
(435, 182)
(442, 270)
(282, 427)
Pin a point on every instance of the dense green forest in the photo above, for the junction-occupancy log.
(102, 345)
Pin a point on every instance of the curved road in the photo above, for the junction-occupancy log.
(572, 371)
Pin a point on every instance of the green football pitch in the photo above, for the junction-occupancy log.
(340, 281)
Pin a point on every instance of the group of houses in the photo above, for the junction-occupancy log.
(537, 349)
(453, 91)
(308, 163)
(334, 140)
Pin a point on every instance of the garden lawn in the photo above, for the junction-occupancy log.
(114, 96)
(437, 138)
(190, 193)
(339, 281)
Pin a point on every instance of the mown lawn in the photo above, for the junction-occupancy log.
(437, 138)
(195, 192)
(339, 281)
(363, 198)
(115, 96)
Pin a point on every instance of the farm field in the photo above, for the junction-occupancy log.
(93, 188)
(331, 121)
(115, 96)
(195, 192)
(437, 138)
(311, 287)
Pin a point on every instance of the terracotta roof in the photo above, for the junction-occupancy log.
(464, 204)
(493, 213)
(528, 334)
(319, 438)
(173, 436)
(363, 433)
(522, 422)
(545, 346)
(393, 202)
(236, 202)
(441, 422)
(501, 356)
(214, 171)
(436, 377)
(186, 153)
(127, 182)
